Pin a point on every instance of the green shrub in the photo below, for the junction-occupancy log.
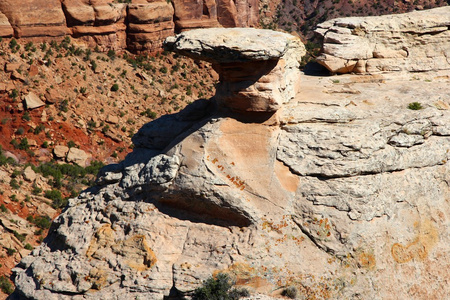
(415, 106)
(149, 113)
(114, 87)
(3, 208)
(219, 289)
(28, 247)
(20, 237)
(26, 116)
(71, 144)
(5, 285)
(20, 131)
(57, 199)
(14, 184)
(10, 251)
(43, 222)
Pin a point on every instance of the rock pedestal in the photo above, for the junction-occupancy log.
(415, 42)
(258, 69)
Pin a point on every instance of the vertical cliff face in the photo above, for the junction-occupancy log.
(138, 26)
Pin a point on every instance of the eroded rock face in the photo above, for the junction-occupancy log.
(138, 26)
(258, 69)
(416, 42)
(34, 18)
(346, 196)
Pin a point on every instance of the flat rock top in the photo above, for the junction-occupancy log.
(415, 21)
(230, 44)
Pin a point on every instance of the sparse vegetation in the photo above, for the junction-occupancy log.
(219, 289)
(415, 106)
(5, 285)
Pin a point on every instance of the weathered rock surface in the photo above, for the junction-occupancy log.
(35, 18)
(417, 41)
(32, 101)
(346, 196)
(138, 26)
(258, 69)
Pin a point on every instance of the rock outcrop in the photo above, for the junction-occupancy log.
(415, 42)
(342, 193)
(252, 77)
(140, 25)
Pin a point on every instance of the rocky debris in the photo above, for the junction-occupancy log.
(417, 41)
(258, 69)
(32, 101)
(332, 199)
(137, 26)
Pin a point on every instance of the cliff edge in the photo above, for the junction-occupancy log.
(342, 191)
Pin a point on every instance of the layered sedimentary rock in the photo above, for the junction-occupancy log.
(342, 193)
(191, 14)
(140, 25)
(35, 18)
(98, 22)
(149, 24)
(258, 69)
(416, 42)
(6, 29)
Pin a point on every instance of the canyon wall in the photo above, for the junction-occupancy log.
(140, 25)
(339, 189)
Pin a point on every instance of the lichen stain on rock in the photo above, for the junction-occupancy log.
(134, 251)
(420, 247)
(98, 277)
(366, 259)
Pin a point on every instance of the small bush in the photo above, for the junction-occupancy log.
(20, 131)
(415, 106)
(10, 251)
(20, 237)
(43, 222)
(5, 285)
(14, 184)
(3, 208)
(114, 87)
(219, 289)
(28, 247)
(290, 292)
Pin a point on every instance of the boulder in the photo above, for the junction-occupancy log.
(77, 156)
(253, 77)
(29, 174)
(60, 151)
(32, 101)
(417, 41)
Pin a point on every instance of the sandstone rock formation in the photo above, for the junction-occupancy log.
(416, 42)
(252, 76)
(138, 26)
(342, 193)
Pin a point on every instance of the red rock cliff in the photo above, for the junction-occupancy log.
(141, 25)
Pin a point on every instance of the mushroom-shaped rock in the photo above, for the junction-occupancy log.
(258, 69)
